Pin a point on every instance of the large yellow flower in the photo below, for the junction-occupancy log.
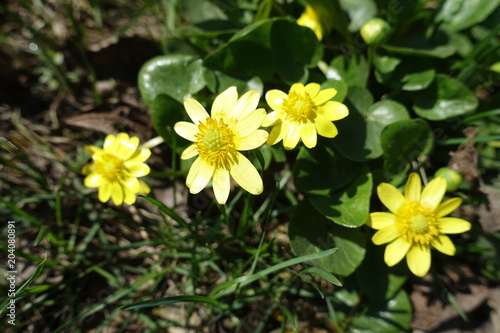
(301, 114)
(217, 139)
(415, 222)
(310, 19)
(116, 168)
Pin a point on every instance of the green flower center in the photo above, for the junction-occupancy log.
(418, 224)
(215, 143)
(109, 166)
(299, 107)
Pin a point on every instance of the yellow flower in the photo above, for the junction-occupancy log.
(233, 127)
(310, 19)
(116, 168)
(415, 222)
(301, 114)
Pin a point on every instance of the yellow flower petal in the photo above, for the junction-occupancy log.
(246, 175)
(189, 152)
(105, 191)
(123, 147)
(129, 198)
(443, 244)
(447, 207)
(413, 187)
(110, 139)
(221, 185)
(117, 193)
(143, 188)
(298, 88)
(313, 89)
(137, 169)
(292, 136)
(325, 127)
(248, 125)
(245, 105)
(253, 141)
(324, 96)
(419, 260)
(93, 180)
(224, 103)
(271, 119)
(275, 99)
(433, 193)
(452, 225)
(199, 175)
(277, 134)
(186, 130)
(140, 155)
(195, 110)
(390, 197)
(386, 235)
(333, 111)
(379, 220)
(396, 251)
(308, 135)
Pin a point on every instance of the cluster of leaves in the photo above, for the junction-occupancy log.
(406, 97)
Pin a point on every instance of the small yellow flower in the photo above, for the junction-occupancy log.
(217, 139)
(303, 113)
(116, 168)
(415, 222)
(310, 19)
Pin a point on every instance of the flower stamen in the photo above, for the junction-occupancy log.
(299, 108)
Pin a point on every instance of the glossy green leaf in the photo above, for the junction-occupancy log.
(268, 47)
(359, 11)
(321, 170)
(394, 316)
(403, 142)
(340, 86)
(408, 73)
(310, 232)
(352, 70)
(444, 98)
(217, 82)
(377, 280)
(175, 75)
(348, 206)
(462, 14)
(166, 111)
(359, 133)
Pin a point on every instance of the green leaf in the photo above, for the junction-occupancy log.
(310, 232)
(359, 12)
(359, 133)
(340, 86)
(175, 75)
(444, 98)
(394, 316)
(403, 142)
(462, 14)
(408, 73)
(348, 206)
(171, 300)
(320, 170)
(268, 47)
(217, 82)
(166, 111)
(377, 280)
(323, 274)
(352, 70)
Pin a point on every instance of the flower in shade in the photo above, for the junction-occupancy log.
(310, 19)
(416, 222)
(116, 169)
(233, 126)
(302, 114)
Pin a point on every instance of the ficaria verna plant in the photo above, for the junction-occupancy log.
(116, 169)
(416, 222)
(233, 126)
(302, 114)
